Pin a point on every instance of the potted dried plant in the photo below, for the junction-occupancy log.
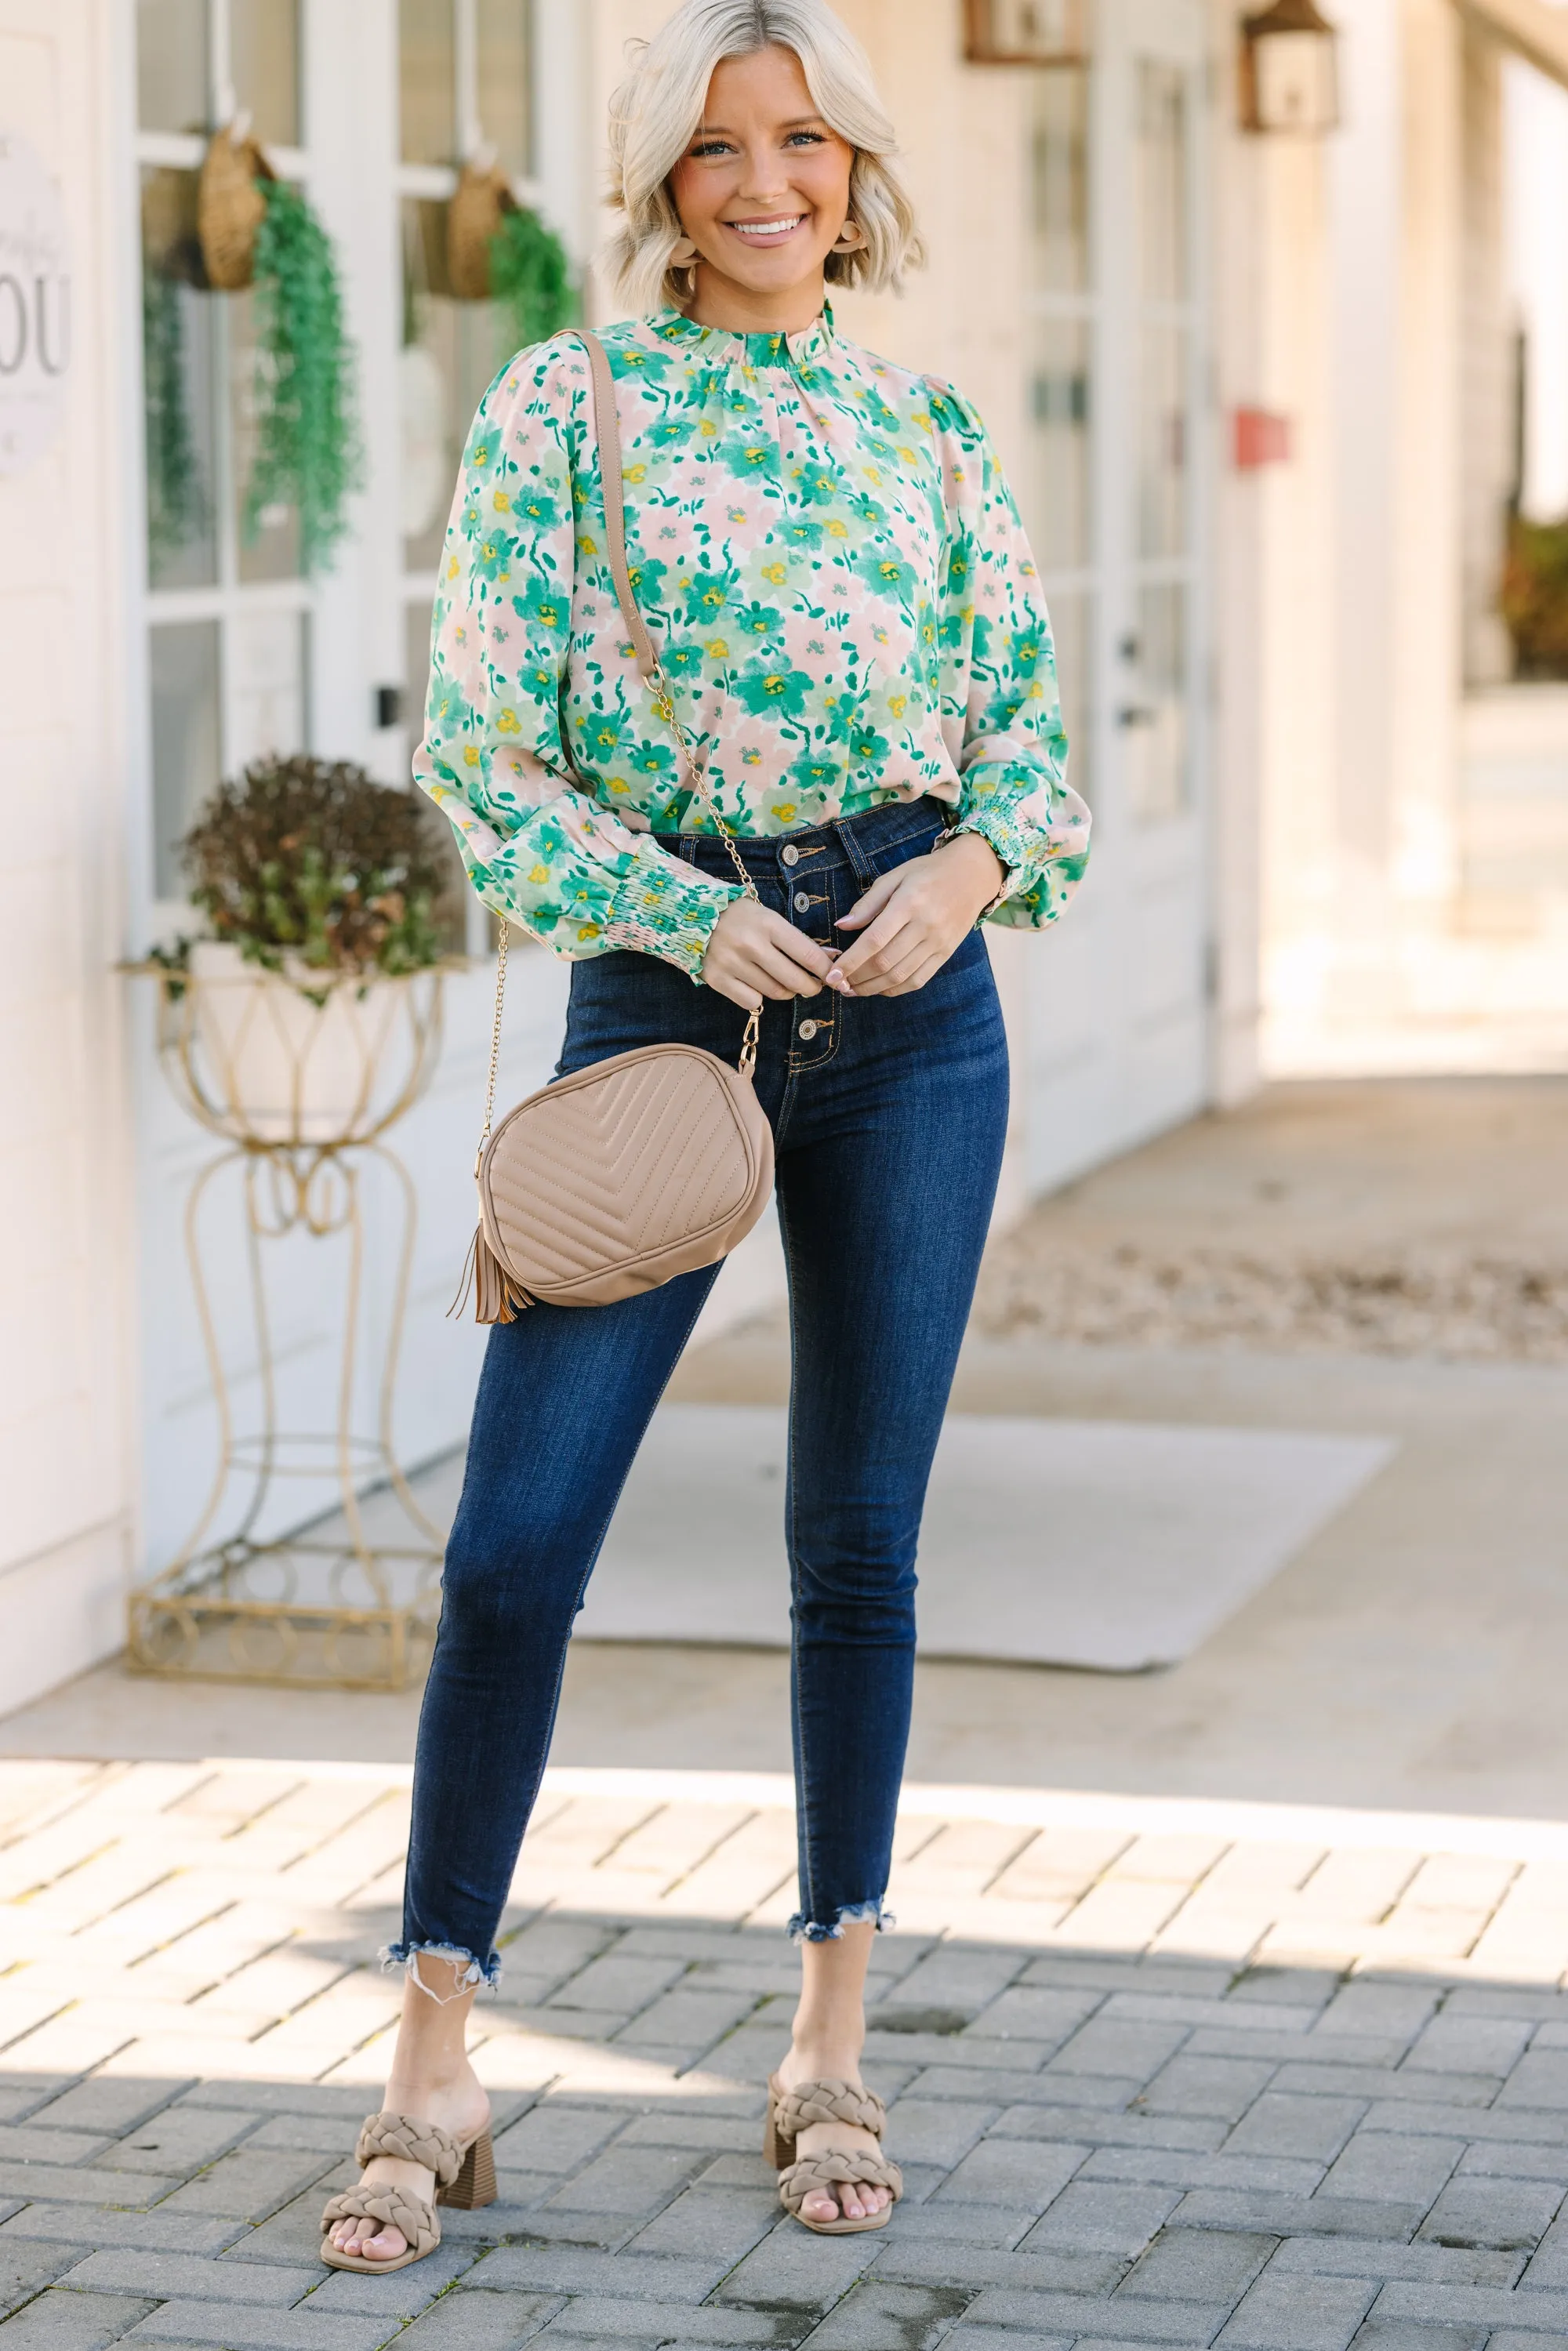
(309, 1014)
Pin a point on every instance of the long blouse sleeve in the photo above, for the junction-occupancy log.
(1001, 710)
(521, 564)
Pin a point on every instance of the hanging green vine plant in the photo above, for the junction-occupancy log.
(177, 493)
(308, 452)
(531, 280)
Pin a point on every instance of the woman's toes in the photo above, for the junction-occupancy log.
(820, 2207)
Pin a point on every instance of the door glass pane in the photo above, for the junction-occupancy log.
(1161, 180)
(171, 65)
(267, 665)
(1162, 438)
(186, 739)
(1071, 618)
(177, 323)
(427, 81)
(1058, 518)
(453, 908)
(1158, 783)
(1060, 182)
(264, 37)
(448, 358)
(272, 552)
(505, 78)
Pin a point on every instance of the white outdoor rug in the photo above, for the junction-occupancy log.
(1109, 1544)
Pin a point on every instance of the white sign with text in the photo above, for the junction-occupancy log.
(35, 305)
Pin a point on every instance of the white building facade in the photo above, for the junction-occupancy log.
(1264, 666)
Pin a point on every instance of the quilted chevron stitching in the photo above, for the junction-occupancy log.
(577, 1221)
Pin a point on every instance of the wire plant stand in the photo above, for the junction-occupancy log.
(300, 1076)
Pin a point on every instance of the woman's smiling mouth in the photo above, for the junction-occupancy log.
(767, 232)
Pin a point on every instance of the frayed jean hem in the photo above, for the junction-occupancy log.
(802, 1929)
(407, 1956)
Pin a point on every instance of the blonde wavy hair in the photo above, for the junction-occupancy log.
(659, 106)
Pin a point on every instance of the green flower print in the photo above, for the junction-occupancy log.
(833, 568)
(782, 692)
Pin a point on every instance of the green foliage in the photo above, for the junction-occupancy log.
(176, 494)
(1533, 599)
(530, 281)
(316, 862)
(307, 443)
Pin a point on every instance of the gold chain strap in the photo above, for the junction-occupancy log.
(495, 1042)
(664, 704)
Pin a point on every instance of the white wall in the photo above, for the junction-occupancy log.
(65, 1252)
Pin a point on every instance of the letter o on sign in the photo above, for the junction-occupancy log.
(35, 306)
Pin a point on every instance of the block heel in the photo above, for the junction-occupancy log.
(476, 2183)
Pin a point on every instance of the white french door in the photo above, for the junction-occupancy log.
(372, 105)
(1118, 1003)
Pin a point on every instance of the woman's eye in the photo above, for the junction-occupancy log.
(710, 147)
(804, 139)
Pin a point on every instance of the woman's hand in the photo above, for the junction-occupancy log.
(753, 953)
(913, 918)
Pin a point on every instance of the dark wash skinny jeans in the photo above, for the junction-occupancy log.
(889, 1115)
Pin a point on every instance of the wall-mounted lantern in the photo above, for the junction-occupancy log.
(1026, 32)
(1289, 73)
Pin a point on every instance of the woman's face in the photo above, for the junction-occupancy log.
(763, 189)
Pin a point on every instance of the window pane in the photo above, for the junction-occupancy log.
(1071, 617)
(451, 912)
(186, 739)
(1161, 180)
(1060, 181)
(265, 51)
(1162, 440)
(268, 663)
(171, 65)
(1158, 783)
(505, 79)
(273, 552)
(1057, 519)
(449, 355)
(427, 80)
(177, 384)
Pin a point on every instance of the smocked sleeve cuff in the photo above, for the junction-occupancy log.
(664, 907)
(1040, 833)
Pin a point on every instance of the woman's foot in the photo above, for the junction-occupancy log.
(460, 2106)
(845, 2199)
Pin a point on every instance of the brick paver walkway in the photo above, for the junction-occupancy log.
(1274, 2092)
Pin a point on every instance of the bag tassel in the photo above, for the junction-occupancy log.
(497, 1297)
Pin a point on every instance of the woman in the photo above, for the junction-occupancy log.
(834, 573)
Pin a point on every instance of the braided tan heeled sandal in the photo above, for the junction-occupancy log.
(464, 2179)
(789, 2112)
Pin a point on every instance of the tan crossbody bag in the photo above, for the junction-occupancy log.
(653, 1163)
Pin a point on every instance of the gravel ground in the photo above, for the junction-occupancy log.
(1448, 1304)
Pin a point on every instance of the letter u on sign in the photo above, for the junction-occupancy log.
(35, 305)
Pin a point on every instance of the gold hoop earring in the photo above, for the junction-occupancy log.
(851, 238)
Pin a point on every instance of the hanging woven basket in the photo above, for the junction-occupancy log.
(474, 216)
(230, 207)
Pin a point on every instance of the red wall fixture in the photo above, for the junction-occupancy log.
(1260, 438)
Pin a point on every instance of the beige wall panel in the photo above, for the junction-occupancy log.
(1486, 364)
(1425, 680)
(63, 1176)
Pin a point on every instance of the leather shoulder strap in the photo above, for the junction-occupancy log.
(607, 432)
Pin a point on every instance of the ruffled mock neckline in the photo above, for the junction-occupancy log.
(769, 351)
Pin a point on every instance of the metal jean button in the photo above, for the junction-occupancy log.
(801, 902)
(807, 1030)
(790, 855)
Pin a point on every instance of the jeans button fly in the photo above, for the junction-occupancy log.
(807, 1030)
(801, 902)
(790, 855)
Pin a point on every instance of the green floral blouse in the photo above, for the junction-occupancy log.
(833, 570)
